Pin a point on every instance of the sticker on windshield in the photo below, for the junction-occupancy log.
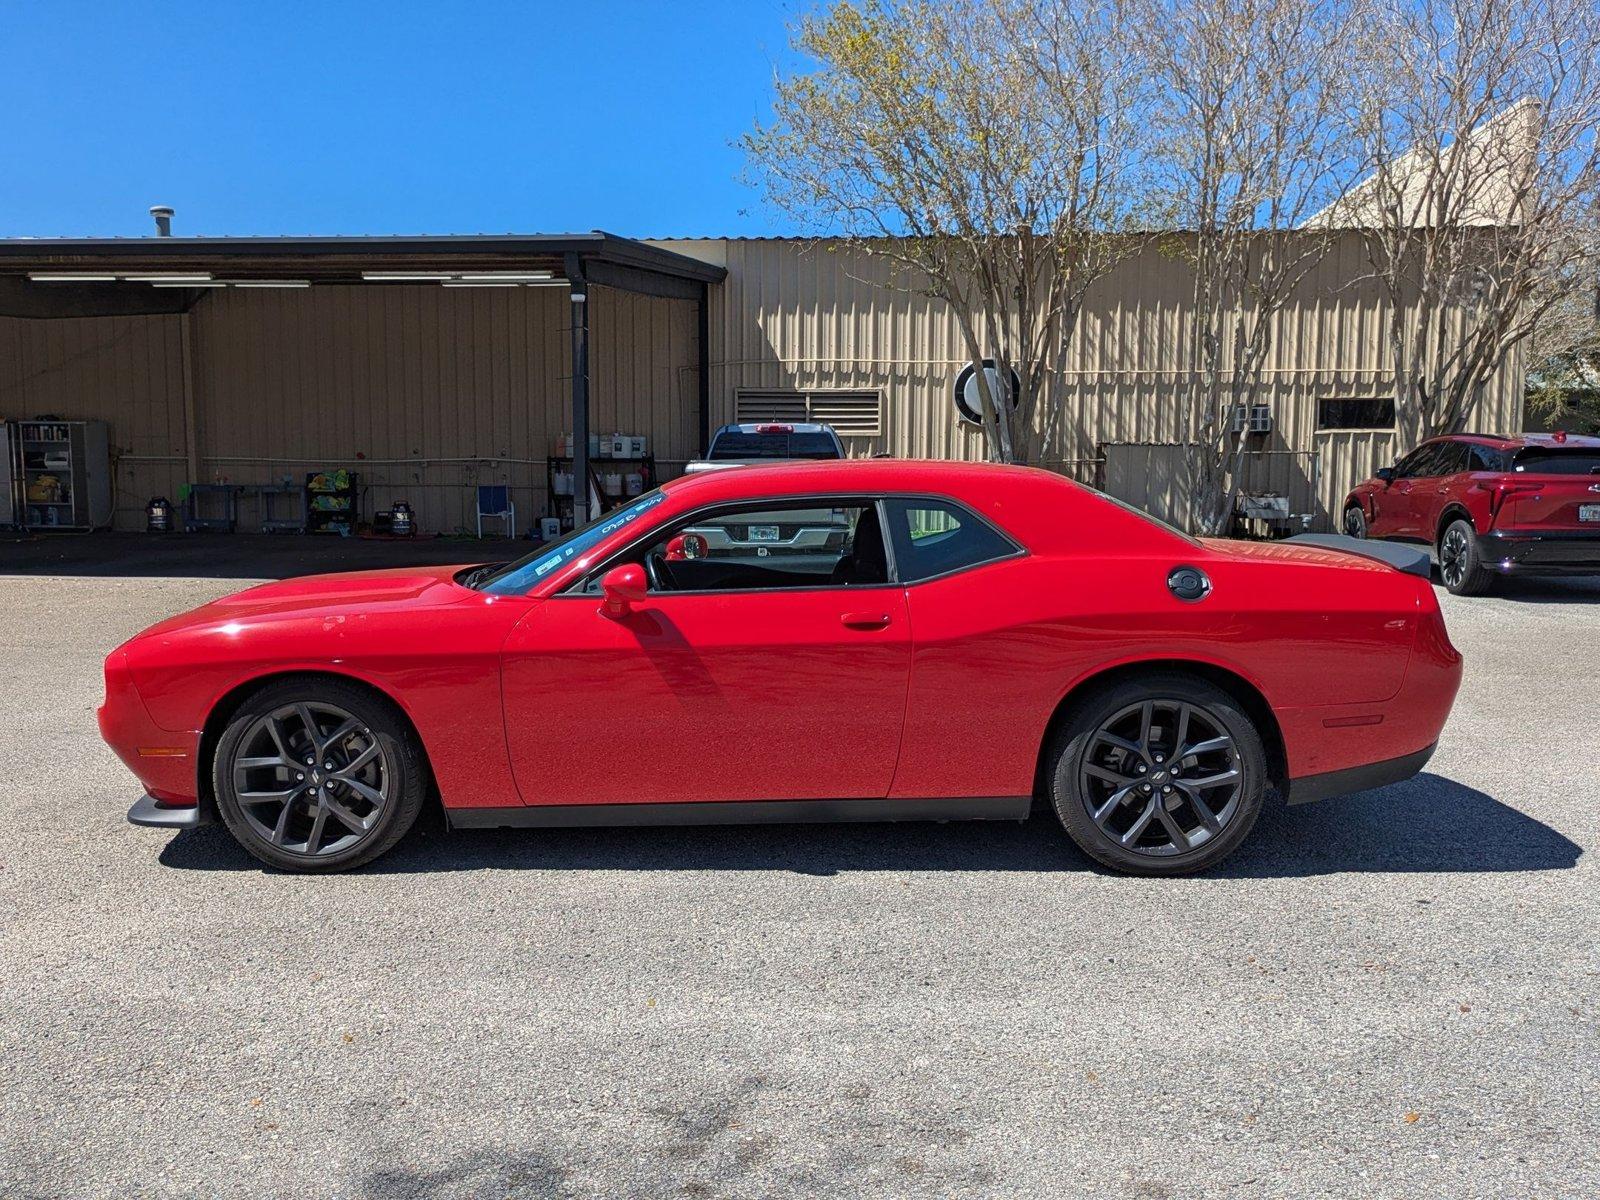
(548, 565)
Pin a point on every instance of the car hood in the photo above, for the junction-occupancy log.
(341, 593)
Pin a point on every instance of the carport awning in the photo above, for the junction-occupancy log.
(100, 277)
(27, 266)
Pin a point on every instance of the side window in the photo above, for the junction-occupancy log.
(832, 544)
(1452, 458)
(1430, 460)
(1484, 459)
(1411, 465)
(933, 537)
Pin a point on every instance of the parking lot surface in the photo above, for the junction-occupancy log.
(1390, 994)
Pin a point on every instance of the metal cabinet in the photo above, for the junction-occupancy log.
(61, 472)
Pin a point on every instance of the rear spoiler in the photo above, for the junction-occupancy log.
(1413, 560)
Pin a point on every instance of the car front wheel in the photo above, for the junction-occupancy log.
(1355, 522)
(318, 776)
(1160, 775)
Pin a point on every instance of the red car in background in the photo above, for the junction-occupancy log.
(1490, 506)
(982, 635)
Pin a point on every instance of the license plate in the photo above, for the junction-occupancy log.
(1589, 512)
(763, 533)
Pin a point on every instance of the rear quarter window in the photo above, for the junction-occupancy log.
(934, 537)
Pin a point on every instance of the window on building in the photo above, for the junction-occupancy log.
(851, 413)
(1356, 412)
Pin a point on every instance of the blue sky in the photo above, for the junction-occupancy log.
(400, 117)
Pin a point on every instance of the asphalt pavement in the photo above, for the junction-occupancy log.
(1391, 994)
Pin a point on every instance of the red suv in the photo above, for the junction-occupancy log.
(1490, 505)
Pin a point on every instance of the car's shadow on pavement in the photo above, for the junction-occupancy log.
(1535, 589)
(1425, 824)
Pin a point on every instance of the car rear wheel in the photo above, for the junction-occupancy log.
(318, 776)
(1355, 522)
(1161, 775)
(1460, 565)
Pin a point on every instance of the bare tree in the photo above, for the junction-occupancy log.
(1563, 382)
(1247, 110)
(1477, 121)
(987, 148)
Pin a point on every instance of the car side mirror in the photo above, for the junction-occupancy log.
(686, 546)
(623, 587)
(1385, 473)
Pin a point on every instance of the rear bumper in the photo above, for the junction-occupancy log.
(147, 810)
(1527, 552)
(1358, 779)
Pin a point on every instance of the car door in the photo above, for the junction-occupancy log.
(1431, 493)
(755, 673)
(1397, 504)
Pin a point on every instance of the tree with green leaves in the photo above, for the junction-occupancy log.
(1245, 116)
(1476, 120)
(989, 149)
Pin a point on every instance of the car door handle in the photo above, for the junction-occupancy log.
(865, 620)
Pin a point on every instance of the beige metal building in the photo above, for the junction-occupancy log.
(295, 355)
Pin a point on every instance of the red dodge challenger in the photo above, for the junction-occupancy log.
(963, 639)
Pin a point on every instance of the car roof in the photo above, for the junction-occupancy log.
(1041, 508)
(789, 426)
(1524, 441)
(859, 475)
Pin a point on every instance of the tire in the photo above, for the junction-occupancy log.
(1083, 762)
(1355, 522)
(271, 788)
(1461, 568)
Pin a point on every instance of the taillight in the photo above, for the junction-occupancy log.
(774, 428)
(1503, 490)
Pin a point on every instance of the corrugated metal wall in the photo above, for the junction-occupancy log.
(127, 371)
(442, 389)
(1154, 476)
(799, 315)
(439, 389)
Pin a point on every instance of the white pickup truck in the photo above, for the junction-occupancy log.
(767, 442)
(778, 533)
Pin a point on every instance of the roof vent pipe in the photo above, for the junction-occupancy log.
(163, 215)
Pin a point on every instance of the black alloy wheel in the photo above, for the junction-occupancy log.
(1162, 775)
(315, 777)
(1461, 567)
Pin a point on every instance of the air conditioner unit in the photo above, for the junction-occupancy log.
(1251, 418)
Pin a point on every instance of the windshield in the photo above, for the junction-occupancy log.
(1577, 461)
(512, 579)
(735, 444)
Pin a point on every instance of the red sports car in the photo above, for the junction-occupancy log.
(1526, 505)
(978, 636)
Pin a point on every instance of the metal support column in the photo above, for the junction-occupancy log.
(704, 389)
(580, 391)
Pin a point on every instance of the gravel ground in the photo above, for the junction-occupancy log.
(1390, 994)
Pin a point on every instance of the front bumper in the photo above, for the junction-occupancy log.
(147, 810)
(1527, 552)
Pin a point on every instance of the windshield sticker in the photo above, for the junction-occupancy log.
(548, 565)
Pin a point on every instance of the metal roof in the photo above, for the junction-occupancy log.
(597, 245)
